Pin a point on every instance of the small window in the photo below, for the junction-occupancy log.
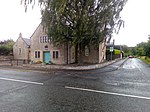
(41, 39)
(20, 51)
(46, 47)
(55, 54)
(47, 39)
(44, 39)
(37, 54)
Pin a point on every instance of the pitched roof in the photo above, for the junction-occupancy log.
(36, 29)
(27, 41)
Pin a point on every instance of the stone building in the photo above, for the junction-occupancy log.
(21, 48)
(42, 49)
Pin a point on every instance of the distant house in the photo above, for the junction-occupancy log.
(21, 49)
(40, 48)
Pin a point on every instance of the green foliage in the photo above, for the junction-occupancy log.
(145, 59)
(147, 49)
(80, 21)
(115, 52)
(143, 49)
(129, 50)
(133, 51)
(7, 47)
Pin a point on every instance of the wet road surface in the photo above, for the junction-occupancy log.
(113, 88)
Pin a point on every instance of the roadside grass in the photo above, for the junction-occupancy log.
(145, 59)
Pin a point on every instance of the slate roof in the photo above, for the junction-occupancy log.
(27, 41)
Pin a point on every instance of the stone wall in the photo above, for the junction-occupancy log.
(6, 57)
(90, 55)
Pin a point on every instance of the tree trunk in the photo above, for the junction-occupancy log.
(76, 53)
(67, 52)
(79, 54)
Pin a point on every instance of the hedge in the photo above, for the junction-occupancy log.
(116, 52)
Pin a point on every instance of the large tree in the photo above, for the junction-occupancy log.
(80, 22)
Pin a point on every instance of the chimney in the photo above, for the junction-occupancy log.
(20, 35)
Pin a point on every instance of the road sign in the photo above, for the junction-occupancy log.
(111, 49)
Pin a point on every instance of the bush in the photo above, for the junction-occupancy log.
(6, 47)
(115, 52)
(4, 50)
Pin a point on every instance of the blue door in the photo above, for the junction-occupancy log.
(46, 57)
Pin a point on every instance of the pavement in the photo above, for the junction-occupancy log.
(65, 67)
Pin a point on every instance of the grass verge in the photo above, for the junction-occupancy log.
(145, 59)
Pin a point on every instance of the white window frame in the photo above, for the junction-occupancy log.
(55, 56)
(37, 54)
(44, 39)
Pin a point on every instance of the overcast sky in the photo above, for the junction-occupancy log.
(14, 20)
(137, 23)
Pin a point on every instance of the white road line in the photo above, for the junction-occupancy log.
(23, 81)
(109, 93)
(139, 69)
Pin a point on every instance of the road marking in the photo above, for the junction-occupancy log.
(23, 81)
(128, 67)
(24, 70)
(139, 69)
(109, 93)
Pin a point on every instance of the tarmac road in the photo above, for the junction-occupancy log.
(113, 88)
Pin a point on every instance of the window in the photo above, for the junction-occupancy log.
(37, 54)
(86, 51)
(41, 39)
(55, 54)
(20, 51)
(46, 47)
(44, 39)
